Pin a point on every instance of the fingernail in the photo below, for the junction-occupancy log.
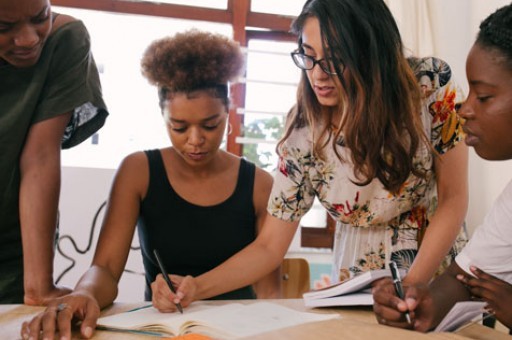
(63, 338)
(460, 277)
(180, 295)
(88, 332)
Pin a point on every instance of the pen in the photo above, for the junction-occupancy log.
(166, 278)
(397, 281)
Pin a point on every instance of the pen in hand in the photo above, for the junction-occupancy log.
(166, 278)
(397, 281)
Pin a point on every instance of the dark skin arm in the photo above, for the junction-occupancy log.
(38, 202)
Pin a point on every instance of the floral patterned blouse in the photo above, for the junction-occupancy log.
(373, 225)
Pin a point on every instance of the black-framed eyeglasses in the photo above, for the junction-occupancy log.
(307, 62)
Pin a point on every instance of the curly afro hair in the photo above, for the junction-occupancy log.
(192, 60)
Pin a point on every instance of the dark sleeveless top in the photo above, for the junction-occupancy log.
(191, 239)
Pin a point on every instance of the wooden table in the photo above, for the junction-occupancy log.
(356, 323)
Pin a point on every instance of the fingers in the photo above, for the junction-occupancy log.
(92, 314)
(43, 324)
(389, 309)
(162, 297)
(58, 317)
(186, 290)
(64, 316)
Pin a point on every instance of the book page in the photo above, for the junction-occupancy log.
(351, 285)
(354, 299)
(227, 321)
(461, 313)
(147, 319)
(246, 320)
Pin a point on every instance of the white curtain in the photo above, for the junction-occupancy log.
(414, 22)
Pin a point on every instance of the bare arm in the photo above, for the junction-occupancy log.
(97, 288)
(38, 202)
(268, 287)
(128, 188)
(452, 187)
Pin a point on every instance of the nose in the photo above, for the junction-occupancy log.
(195, 137)
(27, 37)
(466, 110)
(318, 73)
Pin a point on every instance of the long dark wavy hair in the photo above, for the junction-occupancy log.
(380, 100)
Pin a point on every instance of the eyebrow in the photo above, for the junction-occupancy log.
(174, 120)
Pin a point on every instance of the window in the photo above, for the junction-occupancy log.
(135, 122)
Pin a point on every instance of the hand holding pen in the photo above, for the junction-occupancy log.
(397, 281)
(166, 278)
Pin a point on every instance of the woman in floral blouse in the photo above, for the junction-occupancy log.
(380, 153)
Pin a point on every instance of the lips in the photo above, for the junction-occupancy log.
(25, 54)
(470, 139)
(197, 156)
(324, 91)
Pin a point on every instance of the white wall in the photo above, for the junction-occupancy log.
(83, 192)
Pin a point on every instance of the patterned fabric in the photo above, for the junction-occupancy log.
(373, 225)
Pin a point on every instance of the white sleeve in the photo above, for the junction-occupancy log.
(490, 247)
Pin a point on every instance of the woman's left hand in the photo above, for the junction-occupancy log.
(497, 293)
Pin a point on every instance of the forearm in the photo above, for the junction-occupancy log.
(98, 283)
(438, 240)
(269, 287)
(39, 195)
(245, 268)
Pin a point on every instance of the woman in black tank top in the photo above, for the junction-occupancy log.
(192, 201)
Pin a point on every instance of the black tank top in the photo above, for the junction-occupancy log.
(191, 239)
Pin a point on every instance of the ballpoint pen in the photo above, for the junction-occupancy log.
(166, 278)
(397, 281)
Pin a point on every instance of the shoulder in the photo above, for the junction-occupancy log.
(60, 20)
(133, 173)
(135, 162)
(70, 31)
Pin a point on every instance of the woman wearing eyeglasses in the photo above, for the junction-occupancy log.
(381, 155)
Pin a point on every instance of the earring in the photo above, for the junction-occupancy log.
(230, 128)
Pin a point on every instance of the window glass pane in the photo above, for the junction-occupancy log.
(218, 4)
(135, 122)
(261, 133)
(270, 93)
(273, 64)
(283, 7)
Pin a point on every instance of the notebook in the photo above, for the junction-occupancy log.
(355, 291)
(230, 321)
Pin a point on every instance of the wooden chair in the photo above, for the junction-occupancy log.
(294, 278)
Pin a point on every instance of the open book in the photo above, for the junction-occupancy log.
(229, 321)
(461, 314)
(352, 292)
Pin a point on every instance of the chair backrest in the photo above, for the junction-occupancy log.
(295, 278)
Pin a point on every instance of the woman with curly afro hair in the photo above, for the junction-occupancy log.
(193, 202)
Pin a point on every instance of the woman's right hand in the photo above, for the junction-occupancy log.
(389, 308)
(165, 300)
(59, 316)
